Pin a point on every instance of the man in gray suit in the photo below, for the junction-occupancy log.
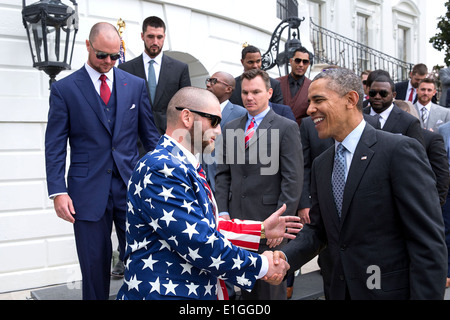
(164, 75)
(432, 116)
(252, 180)
(221, 84)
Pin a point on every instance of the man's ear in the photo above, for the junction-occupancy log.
(353, 98)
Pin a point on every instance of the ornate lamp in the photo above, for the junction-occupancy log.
(51, 29)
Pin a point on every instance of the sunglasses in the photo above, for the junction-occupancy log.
(383, 93)
(215, 120)
(102, 55)
(213, 81)
(298, 60)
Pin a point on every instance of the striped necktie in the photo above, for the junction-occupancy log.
(250, 132)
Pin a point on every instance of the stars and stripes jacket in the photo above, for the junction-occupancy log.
(176, 247)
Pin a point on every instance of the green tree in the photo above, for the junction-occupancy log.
(441, 41)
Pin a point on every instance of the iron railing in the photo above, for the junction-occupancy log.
(335, 49)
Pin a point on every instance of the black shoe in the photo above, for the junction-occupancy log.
(118, 270)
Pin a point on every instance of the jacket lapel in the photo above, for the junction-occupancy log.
(261, 131)
(84, 83)
(361, 160)
(121, 94)
(166, 66)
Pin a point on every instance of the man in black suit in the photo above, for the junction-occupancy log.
(407, 90)
(164, 75)
(391, 118)
(252, 59)
(374, 204)
(253, 179)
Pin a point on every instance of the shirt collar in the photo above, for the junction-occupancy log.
(95, 75)
(259, 117)
(158, 58)
(351, 141)
(420, 106)
(385, 114)
(192, 159)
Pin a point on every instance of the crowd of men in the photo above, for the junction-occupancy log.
(360, 160)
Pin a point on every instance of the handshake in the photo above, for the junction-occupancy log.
(277, 267)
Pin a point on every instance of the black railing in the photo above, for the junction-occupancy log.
(334, 49)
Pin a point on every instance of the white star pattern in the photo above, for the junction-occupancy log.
(170, 287)
(194, 254)
(192, 288)
(154, 224)
(208, 288)
(186, 267)
(148, 263)
(190, 229)
(156, 286)
(237, 263)
(147, 180)
(138, 189)
(166, 171)
(166, 143)
(141, 165)
(168, 216)
(211, 239)
(242, 280)
(167, 193)
(133, 283)
(216, 262)
(188, 206)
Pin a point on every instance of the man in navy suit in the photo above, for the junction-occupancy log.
(407, 90)
(101, 111)
(170, 74)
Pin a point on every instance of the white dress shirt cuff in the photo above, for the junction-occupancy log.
(53, 196)
(264, 267)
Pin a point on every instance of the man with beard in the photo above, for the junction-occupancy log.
(164, 75)
(295, 85)
(390, 117)
(175, 249)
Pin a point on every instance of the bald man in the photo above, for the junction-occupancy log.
(100, 111)
(175, 246)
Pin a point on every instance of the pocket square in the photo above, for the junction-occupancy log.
(133, 106)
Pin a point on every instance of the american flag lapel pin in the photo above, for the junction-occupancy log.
(364, 158)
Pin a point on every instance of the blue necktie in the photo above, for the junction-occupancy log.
(151, 81)
(338, 178)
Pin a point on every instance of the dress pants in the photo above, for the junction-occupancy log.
(94, 247)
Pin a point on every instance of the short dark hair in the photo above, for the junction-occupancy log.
(375, 75)
(154, 22)
(428, 80)
(302, 50)
(420, 69)
(253, 73)
(249, 49)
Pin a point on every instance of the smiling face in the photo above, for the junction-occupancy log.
(333, 114)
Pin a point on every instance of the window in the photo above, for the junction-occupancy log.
(287, 9)
(315, 11)
(363, 38)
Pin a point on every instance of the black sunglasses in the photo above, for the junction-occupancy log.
(383, 93)
(213, 81)
(102, 55)
(298, 60)
(215, 120)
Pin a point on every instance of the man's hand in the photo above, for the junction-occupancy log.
(304, 215)
(276, 273)
(278, 227)
(64, 207)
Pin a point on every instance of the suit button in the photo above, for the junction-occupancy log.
(341, 277)
(343, 247)
(109, 171)
(113, 149)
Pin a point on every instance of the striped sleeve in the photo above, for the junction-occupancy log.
(245, 234)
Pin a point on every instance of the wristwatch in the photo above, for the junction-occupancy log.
(263, 231)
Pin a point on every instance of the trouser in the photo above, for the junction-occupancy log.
(446, 216)
(94, 247)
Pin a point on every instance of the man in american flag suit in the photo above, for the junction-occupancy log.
(174, 248)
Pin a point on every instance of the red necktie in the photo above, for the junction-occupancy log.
(202, 175)
(250, 132)
(411, 95)
(105, 92)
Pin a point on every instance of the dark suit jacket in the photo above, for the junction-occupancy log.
(277, 96)
(245, 190)
(437, 155)
(174, 75)
(391, 221)
(402, 87)
(402, 122)
(282, 110)
(76, 116)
